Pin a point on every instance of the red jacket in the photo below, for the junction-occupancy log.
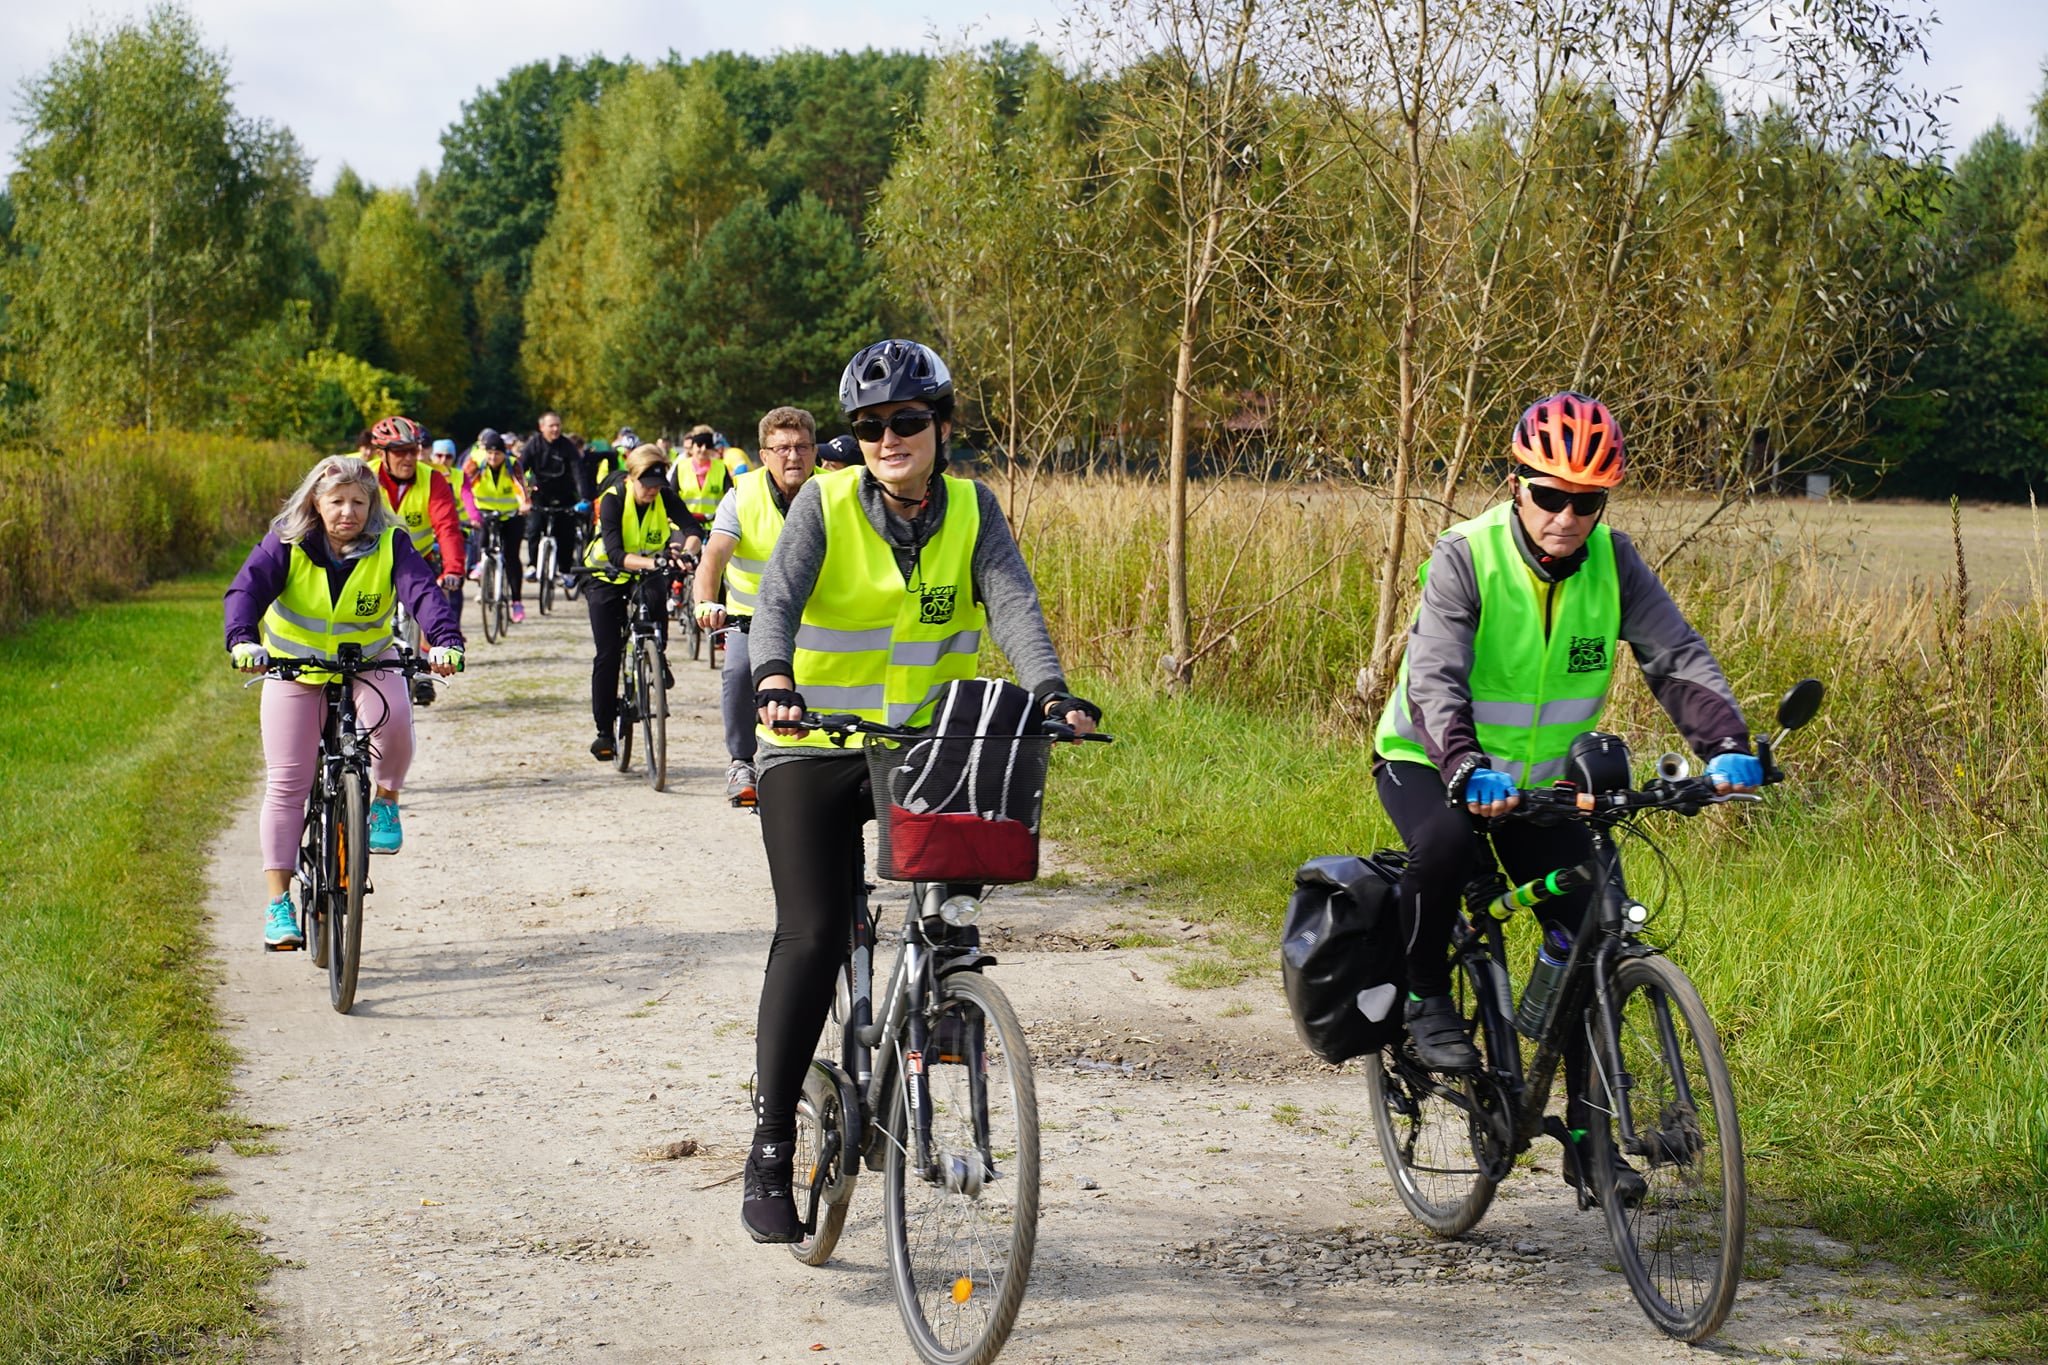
(441, 514)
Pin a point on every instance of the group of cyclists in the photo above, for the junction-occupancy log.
(863, 578)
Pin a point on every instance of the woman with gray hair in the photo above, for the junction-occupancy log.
(335, 562)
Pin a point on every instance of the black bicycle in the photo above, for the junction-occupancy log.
(551, 553)
(1663, 1155)
(333, 872)
(494, 581)
(932, 1085)
(643, 676)
(682, 607)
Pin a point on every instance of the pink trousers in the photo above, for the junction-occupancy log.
(293, 714)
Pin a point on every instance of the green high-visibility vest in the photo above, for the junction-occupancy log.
(495, 490)
(412, 508)
(870, 643)
(760, 527)
(701, 494)
(1533, 690)
(308, 621)
(645, 531)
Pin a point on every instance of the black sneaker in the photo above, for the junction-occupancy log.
(668, 676)
(602, 748)
(422, 692)
(1628, 1181)
(1439, 1035)
(768, 1205)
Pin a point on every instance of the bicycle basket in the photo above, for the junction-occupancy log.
(959, 808)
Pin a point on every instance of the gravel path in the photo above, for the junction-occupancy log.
(523, 1144)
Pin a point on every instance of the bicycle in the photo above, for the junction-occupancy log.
(643, 681)
(682, 609)
(494, 583)
(333, 871)
(910, 1093)
(1657, 1088)
(548, 558)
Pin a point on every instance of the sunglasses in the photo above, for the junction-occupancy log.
(907, 423)
(1556, 499)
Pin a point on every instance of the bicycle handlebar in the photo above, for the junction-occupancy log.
(1688, 796)
(842, 724)
(412, 666)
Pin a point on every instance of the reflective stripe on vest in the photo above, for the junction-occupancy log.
(412, 509)
(869, 642)
(495, 490)
(308, 621)
(1531, 695)
(760, 528)
(643, 532)
(701, 494)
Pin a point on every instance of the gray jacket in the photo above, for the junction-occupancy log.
(1002, 583)
(1676, 662)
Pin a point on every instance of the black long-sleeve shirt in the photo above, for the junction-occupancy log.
(556, 471)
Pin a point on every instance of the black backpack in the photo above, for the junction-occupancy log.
(1341, 954)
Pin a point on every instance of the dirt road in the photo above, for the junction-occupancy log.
(560, 979)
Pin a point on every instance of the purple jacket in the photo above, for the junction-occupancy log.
(263, 576)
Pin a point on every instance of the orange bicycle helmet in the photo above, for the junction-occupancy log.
(1571, 436)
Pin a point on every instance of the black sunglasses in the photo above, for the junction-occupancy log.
(907, 423)
(1556, 499)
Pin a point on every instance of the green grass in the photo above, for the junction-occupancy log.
(122, 740)
(1879, 971)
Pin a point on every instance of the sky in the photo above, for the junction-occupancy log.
(307, 64)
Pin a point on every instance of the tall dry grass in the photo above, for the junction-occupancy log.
(107, 513)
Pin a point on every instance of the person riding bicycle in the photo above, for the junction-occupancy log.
(838, 453)
(638, 518)
(609, 458)
(334, 563)
(701, 477)
(555, 470)
(1510, 657)
(882, 583)
(743, 535)
(425, 502)
(495, 486)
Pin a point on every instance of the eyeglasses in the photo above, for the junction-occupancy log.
(907, 423)
(1556, 499)
(797, 449)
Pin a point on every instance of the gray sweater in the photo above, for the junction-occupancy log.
(1002, 583)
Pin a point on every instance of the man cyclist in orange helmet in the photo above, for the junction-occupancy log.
(1510, 658)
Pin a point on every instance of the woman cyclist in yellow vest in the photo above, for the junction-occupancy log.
(883, 579)
(701, 477)
(639, 520)
(742, 536)
(1510, 658)
(335, 561)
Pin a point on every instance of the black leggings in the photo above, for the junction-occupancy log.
(611, 607)
(811, 813)
(1446, 849)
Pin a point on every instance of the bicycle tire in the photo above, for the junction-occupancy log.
(312, 892)
(345, 904)
(971, 1290)
(628, 716)
(501, 600)
(653, 716)
(1429, 1136)
(1680, 1247)
(693, 634)
(486, 599)
(819, 1115)
(548, 573)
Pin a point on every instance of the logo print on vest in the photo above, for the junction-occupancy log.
(1588, 655)
(368, 603)
(935, 605)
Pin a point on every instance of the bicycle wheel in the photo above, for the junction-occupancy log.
(501, 600)
(1681, 1246)
(961, 1233)
(312, 886)
(693, 634)
(487, 599)
(345, 904)
(629, 712)
(653, 716)
(548, 573)
(823, 1129)
(1436, 1131)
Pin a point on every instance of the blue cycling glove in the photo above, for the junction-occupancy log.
(583, 507)
(1484, 786)
(1736, 770)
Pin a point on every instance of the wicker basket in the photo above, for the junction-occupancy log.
(959, 808)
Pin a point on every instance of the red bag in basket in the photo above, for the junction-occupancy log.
(960, 848)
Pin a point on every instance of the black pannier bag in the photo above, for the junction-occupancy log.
(1341, 954)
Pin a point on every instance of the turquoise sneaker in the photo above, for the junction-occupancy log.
(385, 835)
(281, 927)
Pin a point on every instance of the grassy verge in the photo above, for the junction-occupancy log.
(1880, 990)
(122, 739)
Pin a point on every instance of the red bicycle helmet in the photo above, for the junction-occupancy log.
(397, 431)
(1571, 436)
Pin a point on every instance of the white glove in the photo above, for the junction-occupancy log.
(443, 654)
(248, 656)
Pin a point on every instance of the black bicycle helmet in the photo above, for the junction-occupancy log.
(895, 371)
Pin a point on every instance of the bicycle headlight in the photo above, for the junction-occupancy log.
(959, 911)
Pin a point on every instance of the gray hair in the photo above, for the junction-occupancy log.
(299, 519)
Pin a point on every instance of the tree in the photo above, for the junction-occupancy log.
(395, 268)
(151, 220)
